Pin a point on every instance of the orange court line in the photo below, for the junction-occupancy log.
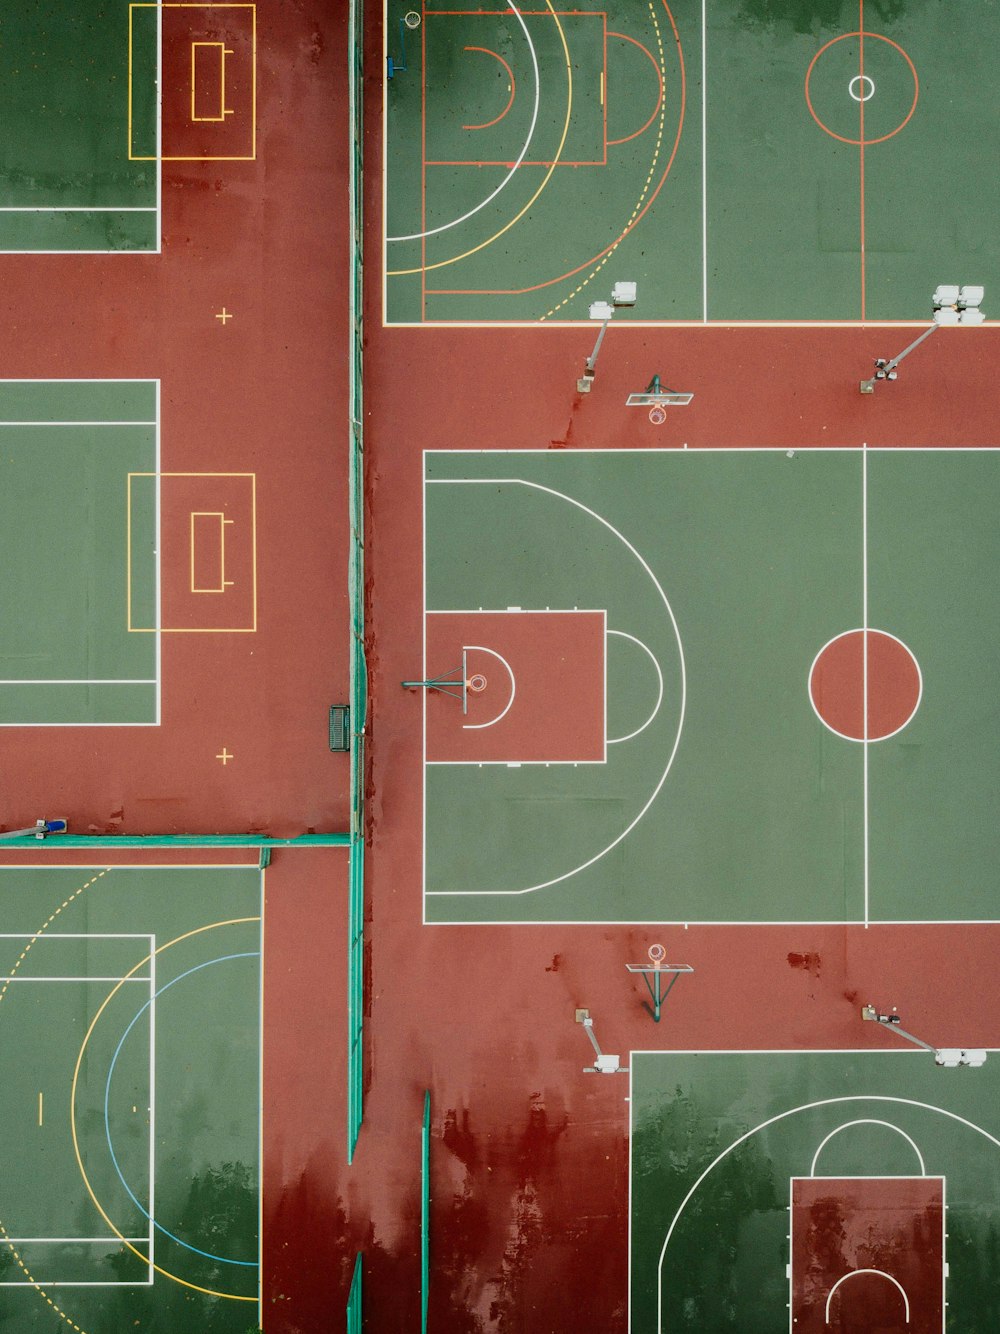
(570, 273)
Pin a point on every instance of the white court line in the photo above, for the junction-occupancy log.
(479, 648)
(867, 1121)
(434, 231)
(781, 1116)
(157, 486)
(704, 163)
(614, 740)
(151, 1211)
(555, 880)
(864, 674)
(78, 423)
(845, 1277)
(71, 208)
(68, 1241)
(19, 978)
(80, 681)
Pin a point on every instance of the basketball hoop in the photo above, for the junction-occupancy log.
(657, 415)
(657, 953)
(412, 19)
(476, 683)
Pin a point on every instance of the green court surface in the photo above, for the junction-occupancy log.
(72, 87)
(739, 160)
(722, 1143)
(79, 567)
(130, 1012)
(728, 789)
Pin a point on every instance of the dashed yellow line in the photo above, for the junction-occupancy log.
(3, 991)
(443, 263)
(645, 189)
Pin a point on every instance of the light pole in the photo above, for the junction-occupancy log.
(952, 305)
(622, 294)
(949, 1057)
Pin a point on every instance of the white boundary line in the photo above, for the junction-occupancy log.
(866, 807)
(159, 142)
(434, 231)
(571, 500)
(865, 1121)
(260, 1112)
(622, 634)
(704, 163)
(157, 485)
(810, 1106)
(151, 1191)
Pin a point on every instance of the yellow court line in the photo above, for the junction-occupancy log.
(194, 629)
(441, 264)
(146, 1260)
(180, 157)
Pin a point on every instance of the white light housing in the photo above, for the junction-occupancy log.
(976, 1057)
(971, 296)
(623, 294)
(971, 316)
(601, 310)
(945, 296)
(947, 315)
(949, 1057)
(607, 1065)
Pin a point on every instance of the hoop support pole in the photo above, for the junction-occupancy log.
(657, 995)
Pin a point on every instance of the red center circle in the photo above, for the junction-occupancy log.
(865, 685)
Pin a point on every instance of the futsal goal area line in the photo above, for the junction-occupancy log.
(114, 1240)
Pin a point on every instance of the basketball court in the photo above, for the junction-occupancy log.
(709, 686)
(799, 1191)
(130, 1002)
(536, 154)
(85, 131)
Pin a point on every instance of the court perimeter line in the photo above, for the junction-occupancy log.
(537, 486)
(864, 673)
(704, 164)
(804, 1107)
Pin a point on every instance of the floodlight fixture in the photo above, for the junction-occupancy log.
(949, 1058)
(606, 1064)
(622, 295)
(951, 305)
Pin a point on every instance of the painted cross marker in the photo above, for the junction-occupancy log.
(225, 757)
(224, 315)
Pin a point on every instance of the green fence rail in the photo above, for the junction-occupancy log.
(354, 1301)
(356, 576)
(425, 1213)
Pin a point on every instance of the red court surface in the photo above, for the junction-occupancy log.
(537, 693)
(529, 1174)
(259, 393)
(868, 1253)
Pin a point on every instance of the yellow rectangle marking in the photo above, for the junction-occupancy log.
(220, 52)
(216, 530)
(178, 157)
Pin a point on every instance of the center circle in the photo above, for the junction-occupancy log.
(878, 44)
(865, 685)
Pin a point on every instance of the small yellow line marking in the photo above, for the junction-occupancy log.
(225, 757)
(224, 315)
